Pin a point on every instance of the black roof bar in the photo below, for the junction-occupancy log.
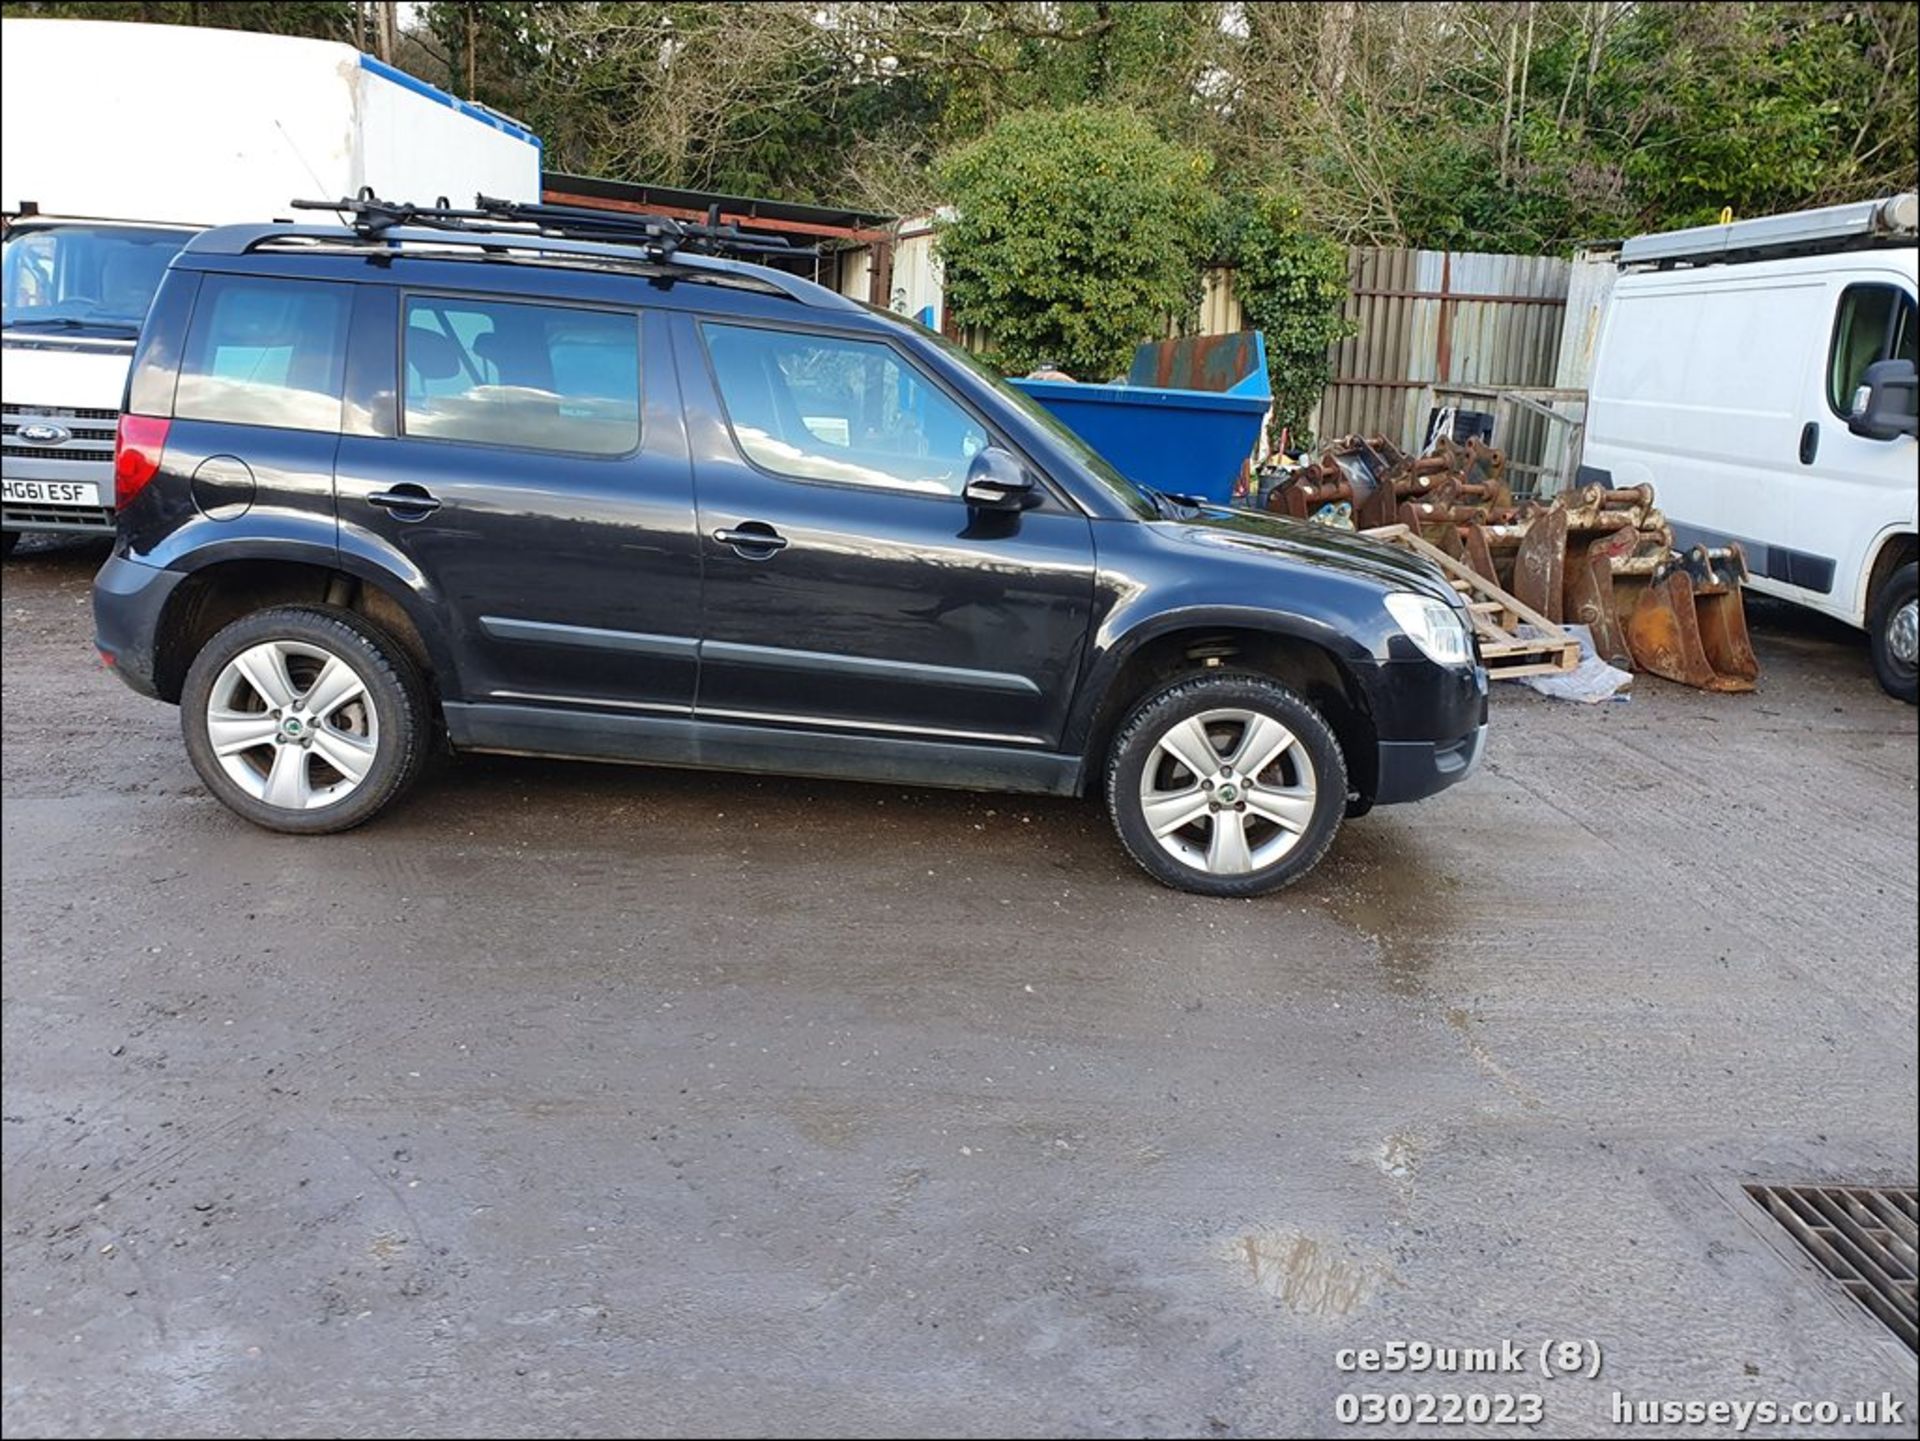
(661, 235)
(493, 242)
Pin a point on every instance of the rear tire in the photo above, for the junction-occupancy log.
(1895, 631)
(1226, 785)
(305, 719)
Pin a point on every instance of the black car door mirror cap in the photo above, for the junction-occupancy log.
(1884, 405)
(996, 480)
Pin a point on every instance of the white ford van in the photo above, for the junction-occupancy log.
(100, 186)
(1760, 375)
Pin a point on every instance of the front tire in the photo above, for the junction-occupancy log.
(1895, 629)
(8, 540)
(305, 719)
(1226, 785)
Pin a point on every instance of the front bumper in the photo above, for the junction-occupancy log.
(128, 600)
(77, 519)
(87, 458)
(1414, 770)
(1430, 723)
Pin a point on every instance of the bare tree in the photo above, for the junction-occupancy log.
(386, 29)
(660, 85)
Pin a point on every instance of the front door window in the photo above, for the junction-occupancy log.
(1873, 322)
(816, 407)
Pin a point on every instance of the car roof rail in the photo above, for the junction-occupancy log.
(664, 235)
(500, 228)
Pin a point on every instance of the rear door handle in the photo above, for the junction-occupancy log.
(753, 539)
(407, 502)
(1809, 441)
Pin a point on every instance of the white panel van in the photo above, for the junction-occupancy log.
(1733, 374)
(100, 186)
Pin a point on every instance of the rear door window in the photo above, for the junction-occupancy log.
(535, 377)
(265, 352)
(1873, 322)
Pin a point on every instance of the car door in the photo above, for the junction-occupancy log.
(848, 587)
(1852, 489)
(526, 462)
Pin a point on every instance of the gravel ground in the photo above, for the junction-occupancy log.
(586, 1100)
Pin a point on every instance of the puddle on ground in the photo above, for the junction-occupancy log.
(1462, 1022)
(1308, 1275)
(901, 1188)
(1399, 1156)
(839, 1128)
(1404, 913)
(1408, 908)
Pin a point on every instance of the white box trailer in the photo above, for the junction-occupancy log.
(1760, 375)
(118, 141)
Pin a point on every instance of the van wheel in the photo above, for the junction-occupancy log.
(8, 540)
(1227, 785)
(305, 719)
(1895, 628)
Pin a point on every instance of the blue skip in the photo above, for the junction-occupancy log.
(1186, 420)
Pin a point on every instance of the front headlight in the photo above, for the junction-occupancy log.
(1434, 626)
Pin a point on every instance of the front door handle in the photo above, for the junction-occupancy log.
(407, 502)
(753, 539)
(1809, 441)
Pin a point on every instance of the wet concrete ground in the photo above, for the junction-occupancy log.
(585, 1100)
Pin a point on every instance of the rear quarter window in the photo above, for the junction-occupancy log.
(265, 352)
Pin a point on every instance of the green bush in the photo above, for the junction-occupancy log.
(1077, 234)
(1292, 285)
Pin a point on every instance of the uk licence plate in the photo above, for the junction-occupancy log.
(50, 492)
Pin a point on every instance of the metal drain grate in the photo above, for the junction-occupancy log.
(1862, 1236)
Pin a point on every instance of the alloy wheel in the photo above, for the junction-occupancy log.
(293, 725)
(1228, 791)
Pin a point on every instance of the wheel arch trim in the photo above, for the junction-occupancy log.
(1112, 653)
(389, 573)
(1883, 559)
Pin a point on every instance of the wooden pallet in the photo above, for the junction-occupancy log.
(1497, 615)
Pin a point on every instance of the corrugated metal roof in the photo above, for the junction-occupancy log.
(744, 209)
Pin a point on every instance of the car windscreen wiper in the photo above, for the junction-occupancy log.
(67, 322)
(1173, 506)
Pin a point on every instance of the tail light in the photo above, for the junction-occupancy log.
(137, 447)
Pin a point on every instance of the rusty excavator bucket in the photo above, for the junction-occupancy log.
(1540, 566)
(1690, 623)
(1590, 597)
(1597, 556)
(1589, 557)
(1562, 538)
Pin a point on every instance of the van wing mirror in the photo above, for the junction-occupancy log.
(1887, 404)
(996, 480)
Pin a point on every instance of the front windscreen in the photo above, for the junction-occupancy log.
(84, 277)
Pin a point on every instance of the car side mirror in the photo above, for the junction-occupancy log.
(1887, 404)
(996, 480)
